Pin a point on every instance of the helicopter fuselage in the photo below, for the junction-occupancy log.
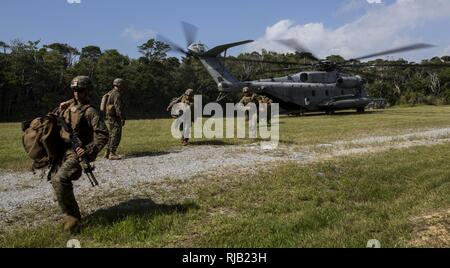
(314, 91)
(305, 91)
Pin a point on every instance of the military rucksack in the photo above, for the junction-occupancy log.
(106, 106)
(105, 102)
(41, 140)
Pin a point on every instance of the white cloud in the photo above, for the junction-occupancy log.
(374, 1)
(386, 27)
(74, 1)
(138, 35)
(445, 51)
(358, 5)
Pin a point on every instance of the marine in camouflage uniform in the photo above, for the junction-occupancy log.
(115, 119)
(92, 131)
(188, 99)
(248, 98)
(268, 102)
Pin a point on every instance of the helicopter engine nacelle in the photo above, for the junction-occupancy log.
(349, 82)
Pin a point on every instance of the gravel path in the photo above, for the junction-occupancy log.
(19, 191)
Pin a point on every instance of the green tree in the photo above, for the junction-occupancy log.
(154, 50)
(70, 53)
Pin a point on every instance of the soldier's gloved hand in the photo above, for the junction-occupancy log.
(80, 152)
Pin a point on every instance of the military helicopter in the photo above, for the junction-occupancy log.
(325, 88)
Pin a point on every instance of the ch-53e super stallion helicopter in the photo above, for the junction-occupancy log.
(327, 89)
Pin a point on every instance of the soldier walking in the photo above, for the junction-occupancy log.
(248, 97)
(92, 131)
(113, 107)
(188, 99)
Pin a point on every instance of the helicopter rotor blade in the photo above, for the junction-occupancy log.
(260, 61)
(298, 47)
(395, 50)
(190, 33)
(403, 65)
(173, 46)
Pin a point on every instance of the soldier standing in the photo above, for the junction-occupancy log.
(188, 99)
(115, 118)
(92, 131)
(268, 107)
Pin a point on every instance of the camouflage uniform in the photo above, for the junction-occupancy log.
(115, 120)
(188, 99)
(268, 102)
(93, 133)
(248, 98)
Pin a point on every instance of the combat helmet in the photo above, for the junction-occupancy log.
(246, 90)
(81, 82)
(189, 92)
(118, 82)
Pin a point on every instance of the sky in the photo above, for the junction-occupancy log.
(347, 27)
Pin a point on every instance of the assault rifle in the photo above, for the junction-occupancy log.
(76, 143)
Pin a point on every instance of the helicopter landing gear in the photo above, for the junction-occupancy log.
(360, 110)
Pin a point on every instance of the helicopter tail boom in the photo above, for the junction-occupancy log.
(226, 82)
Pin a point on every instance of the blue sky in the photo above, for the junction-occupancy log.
(326, 26)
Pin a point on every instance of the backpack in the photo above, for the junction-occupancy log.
(105, 102)
(41, 141)
(106, 106)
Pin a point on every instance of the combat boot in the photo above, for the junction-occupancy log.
(71, 224)
(185, 142)
(114, 156)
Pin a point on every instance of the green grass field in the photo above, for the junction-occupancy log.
(336, 203)
(341, 203)
(142, 137)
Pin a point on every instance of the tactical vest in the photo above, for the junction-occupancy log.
(75, 117)
(248, 99)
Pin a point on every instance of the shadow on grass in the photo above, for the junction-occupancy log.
(144, 154)
(344, 113)
(211, 142)
(135, 207)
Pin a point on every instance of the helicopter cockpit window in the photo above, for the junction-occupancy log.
(304, 77)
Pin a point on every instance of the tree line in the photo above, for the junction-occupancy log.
(34, 78)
